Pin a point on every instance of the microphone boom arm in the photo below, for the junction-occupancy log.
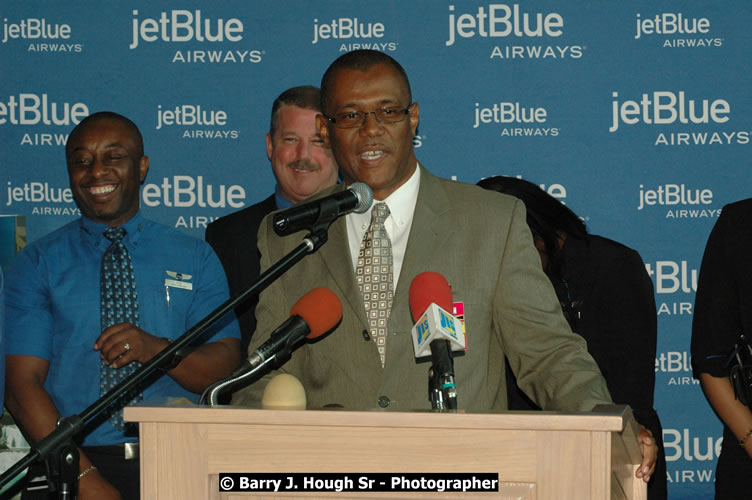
(68, 427)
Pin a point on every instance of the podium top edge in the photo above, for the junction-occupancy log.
(612, 418)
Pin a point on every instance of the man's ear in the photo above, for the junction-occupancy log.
(143, 168)
(414, 118)
(269, 147)
(322, 124)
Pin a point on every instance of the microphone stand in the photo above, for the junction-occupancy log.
(58, 449)
(435, 395)
(211, 395)
(442, 391)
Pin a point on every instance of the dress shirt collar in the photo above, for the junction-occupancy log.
(94, 231)
(281, 201)
(401, 203)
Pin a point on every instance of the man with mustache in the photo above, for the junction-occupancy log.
(302, 165)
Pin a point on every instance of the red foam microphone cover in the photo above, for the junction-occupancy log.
(320, 308)
(426, 288)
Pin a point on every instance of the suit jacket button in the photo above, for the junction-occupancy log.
(366, 335)
(384, 401)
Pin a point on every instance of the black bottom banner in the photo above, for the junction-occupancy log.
(334, 482)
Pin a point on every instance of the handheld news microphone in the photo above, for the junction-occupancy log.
(314, 314)
(356, 198)
(436, 332)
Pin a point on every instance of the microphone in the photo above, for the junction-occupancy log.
(436, 332)
(284, 392)
(430, 303)
(314, 314)
(356, 198)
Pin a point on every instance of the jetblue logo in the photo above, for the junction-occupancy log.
(674, 194)
(673, 362)
(672, 277)
(677, 30)
(188, 114)
(509, 112)
(185, 26)
(346, 28)
(34, 29)
(516, 119)
(205, 122)
(666, 108)
(670, 24)
(33, 109)
(184, 191)
(682, 445)
(38, 192)
(501, 20)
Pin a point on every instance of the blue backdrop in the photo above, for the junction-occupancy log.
(635, 114)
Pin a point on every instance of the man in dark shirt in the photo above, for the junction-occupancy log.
(302, 166)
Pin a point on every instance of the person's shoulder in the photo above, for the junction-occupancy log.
(608, 256)
(462, 193)
(601, 243)
(52, 249)
(59, 237)
(741, 209)
(733, 227)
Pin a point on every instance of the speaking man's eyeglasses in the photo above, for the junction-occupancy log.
(354, 119)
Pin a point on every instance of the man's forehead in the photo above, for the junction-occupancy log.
(349, 85)
(292, 118)
(123, 134)
(293, 110)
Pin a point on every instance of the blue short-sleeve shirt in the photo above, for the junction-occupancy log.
(53, 311)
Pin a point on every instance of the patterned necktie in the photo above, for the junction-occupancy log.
(119, 304)
(375, 275)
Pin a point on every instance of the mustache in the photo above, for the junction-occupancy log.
(304, 165)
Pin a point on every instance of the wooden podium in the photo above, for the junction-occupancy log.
(545, 455)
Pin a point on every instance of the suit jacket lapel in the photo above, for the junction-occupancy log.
(427, 233)
(336, 256)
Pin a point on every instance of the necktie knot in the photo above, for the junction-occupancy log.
(380, 213)
(114, 234)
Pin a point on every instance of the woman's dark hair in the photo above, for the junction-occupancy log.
(546, 216)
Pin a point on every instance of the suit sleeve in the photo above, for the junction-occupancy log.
(551, 363)
(271, 310)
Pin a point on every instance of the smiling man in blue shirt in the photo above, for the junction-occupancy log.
(56, 342)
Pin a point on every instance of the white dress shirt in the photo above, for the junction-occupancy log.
(401, 205)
